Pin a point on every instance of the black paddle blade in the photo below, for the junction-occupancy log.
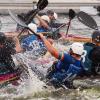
(19, 21)
(42, 4)
(87, 20)
(71, 14)
(16, 19)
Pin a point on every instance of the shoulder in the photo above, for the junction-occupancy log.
(67, 58)
(89, 44)
(66, 55)
(29, 38)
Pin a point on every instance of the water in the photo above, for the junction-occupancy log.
(31, 88)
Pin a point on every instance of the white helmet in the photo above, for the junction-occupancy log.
(36, 21)
(33, 27)
(77, 48)
(55, 15)
(46, 18)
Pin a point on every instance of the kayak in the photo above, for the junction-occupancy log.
(75, 38)
(68, 37)
(5, 78)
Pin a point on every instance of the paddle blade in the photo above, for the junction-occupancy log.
(16, 19)
(25, 17)
(87, 20)
(42, 4)
(71, 14)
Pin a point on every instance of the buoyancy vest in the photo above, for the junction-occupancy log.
(32, 43)
(68, 68)
(86, 59)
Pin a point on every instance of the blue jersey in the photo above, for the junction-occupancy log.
(32, 43)
(67, 68)
(67, 61)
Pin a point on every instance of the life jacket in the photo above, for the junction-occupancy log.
(34, 44)
(86, 59)
(62, 70)
(69, 75)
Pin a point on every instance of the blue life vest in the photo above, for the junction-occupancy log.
(68, 67)
(32, 43)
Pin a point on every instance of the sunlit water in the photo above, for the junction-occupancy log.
(31, 88)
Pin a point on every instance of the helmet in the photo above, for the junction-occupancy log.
(55, 15)
(33, 27)
(96, 36)
(77, 48)
(46, 18)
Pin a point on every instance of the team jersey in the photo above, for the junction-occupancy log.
(67, 68)
(32, 43)
(65, 63)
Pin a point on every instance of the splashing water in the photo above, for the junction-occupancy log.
(28, 86)
(36, 69)
(30, 81)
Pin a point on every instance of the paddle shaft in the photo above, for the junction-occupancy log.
(68, 26)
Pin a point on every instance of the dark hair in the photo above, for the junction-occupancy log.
(2, 38)
(6, 41)
(96, 36)
(95, 54)
(50, 12)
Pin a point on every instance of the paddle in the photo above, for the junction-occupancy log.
(72, 14)
(30, 15)
(40, 6)
(19, 21)
(87, 20)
